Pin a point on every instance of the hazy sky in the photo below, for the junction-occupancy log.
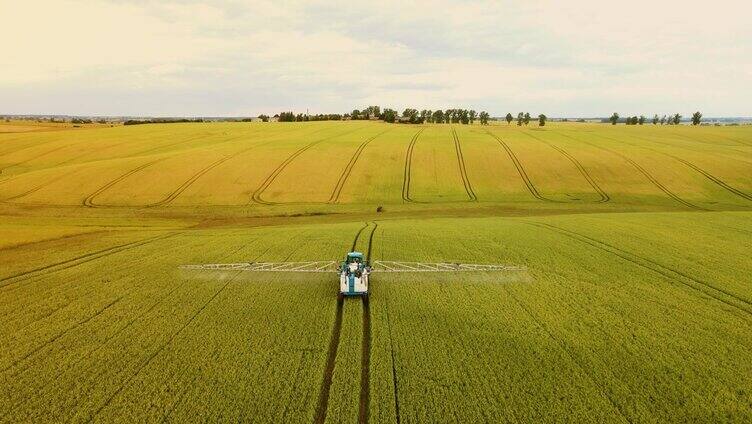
(562, 58)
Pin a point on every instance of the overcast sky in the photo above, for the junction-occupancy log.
(208, 58)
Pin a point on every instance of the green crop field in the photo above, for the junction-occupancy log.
(636, 305)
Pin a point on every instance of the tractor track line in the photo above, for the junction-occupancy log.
(159, 350)
(562, 345)
(365, 364)
(463, 170)
(712, 178)
(408, 168)
(370, 241)
(37, 188)
(109, 337)
(644, 172)
(189, 182)
(33, 158)
(256, 196)
(50, 240)
(395, 383)
(89, 200)
(331, 357)
(704, 173)
(170, 145)
(585, 174)
(357, 236)
(45, 298)
(79, 260)
(650, 264)
(59, 335)
(334, 198)
(521, 170)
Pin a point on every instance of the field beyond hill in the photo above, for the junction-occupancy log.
(636, 305)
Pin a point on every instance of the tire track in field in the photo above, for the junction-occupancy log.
(370, 241)
(160, 349)
(331, 357)
(39, 187)
(89, 200)
(101, 345)
(256, 196)
(708, 289)
(365, 364)
(408, 168)
(357, 236)
(32, 158)
(463, 170)
(395, 382)
(79, 260)
(563, 346)
(334, 198)
(712, 178)
(644, 172)
(172, 144)
(719, 182)
(59, 335)
(50, 240)
(585, 174)
(521, 170)
(116, 333)
(189, 182)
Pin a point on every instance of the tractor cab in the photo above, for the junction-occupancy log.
(354, 275)
(354, 258)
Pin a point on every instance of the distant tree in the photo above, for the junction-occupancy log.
(542, 120)
(483, 117)
(456, 116)
(429, 116)
(472, 115)
(641, 120)
(464, 116)
(263, 118)
(526, 118)
(355, 115)
(663, 119)
(677, 119)
(614, 118)
(520, 119)
(656, 119)
(286, 117)
(372, 111)
(438, 116)
(411, 114)
(509, 118)
(696, 118)
(448, 116)
(390, 115)
(634, 120)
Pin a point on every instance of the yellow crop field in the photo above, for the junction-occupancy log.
(633, 300)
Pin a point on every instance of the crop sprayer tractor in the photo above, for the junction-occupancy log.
(355, 271)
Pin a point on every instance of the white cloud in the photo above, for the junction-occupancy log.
(212, 57)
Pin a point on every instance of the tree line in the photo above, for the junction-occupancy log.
(524, 118)
(408, 115)
(674, 119)
(159, 121)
